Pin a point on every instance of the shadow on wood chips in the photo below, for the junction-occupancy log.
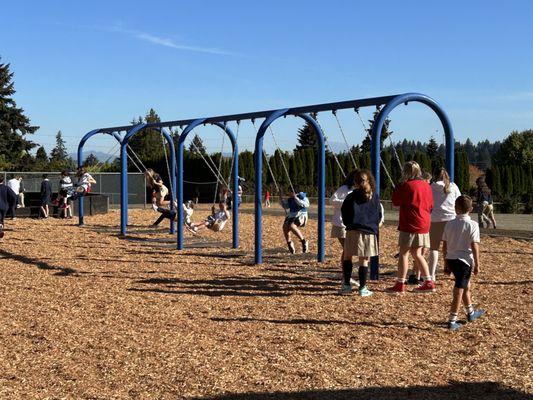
(453, 391)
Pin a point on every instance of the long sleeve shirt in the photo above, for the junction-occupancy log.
(336, 201)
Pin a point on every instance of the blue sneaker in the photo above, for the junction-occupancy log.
(475, 315)
(453, 326)
(364, 292)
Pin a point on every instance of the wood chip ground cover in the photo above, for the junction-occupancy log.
(86, 314)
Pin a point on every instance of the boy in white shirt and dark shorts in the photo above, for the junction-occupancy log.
(461, 252)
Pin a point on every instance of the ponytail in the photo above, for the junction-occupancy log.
(442, 175)
(365, 180)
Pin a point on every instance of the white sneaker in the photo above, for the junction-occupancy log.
(354, 282)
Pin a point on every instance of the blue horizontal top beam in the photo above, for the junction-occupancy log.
(340, 105)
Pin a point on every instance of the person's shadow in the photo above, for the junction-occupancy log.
(455, 390)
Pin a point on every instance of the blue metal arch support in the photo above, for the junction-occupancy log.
(124, 175)
(321, 182)
(83, 140)
(234, 178)
(375, 152)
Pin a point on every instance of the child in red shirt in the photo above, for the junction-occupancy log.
(415, 199)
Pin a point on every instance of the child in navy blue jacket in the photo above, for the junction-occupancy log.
(8, 200)
(362, 214)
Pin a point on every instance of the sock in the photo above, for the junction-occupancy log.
(432, 261)
(426, 278)
(401, 280)
(453, 318)
(469, 309)
(347, 268)
(362, 276)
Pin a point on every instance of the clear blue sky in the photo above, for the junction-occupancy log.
(82, 65)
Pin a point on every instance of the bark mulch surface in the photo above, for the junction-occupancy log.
(85, 314)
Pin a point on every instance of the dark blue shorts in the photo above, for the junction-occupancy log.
(461, 271)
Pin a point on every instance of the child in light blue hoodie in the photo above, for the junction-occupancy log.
(297, 204)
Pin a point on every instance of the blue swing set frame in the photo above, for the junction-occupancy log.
(388, 103)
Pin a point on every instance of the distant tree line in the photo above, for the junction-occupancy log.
(508, 165)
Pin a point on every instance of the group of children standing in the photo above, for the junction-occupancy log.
(429, 214)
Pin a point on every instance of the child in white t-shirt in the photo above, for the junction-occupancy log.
(461, 252)
(216, 221)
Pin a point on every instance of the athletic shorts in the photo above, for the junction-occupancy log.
(338, 232)
(298, 221)
(360, 244)
(435, 234)
(461, 271)
(413, 240)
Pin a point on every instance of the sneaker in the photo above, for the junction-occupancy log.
(426, 287)
(364, 292)
(398, 288)
(475, 315)
(305, 246)
(453, 326)
(291, 247)
(345, 290)
(412, 280)
(353, 282)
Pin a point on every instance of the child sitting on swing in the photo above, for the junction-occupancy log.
(297, 204)
(188, 210)
(216, 221)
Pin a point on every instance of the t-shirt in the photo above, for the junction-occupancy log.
(65, 182)
(336, 201)
(84, 181)
(415, 200)
(459, 234)
(444, 203)
(14, 185)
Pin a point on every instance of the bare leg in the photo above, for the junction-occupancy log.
(294, 229)
(341, 241)
(456, 301)
(420, 260)
(287, 232)
(403, 262)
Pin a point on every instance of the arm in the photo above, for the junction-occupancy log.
(336, 200)
(11, 197)
(447, 270)
(381, 215)
(398, 196)
(91, 180)
(475, 252)
(347, 210)
(302, 203)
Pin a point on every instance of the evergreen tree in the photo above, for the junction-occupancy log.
(306, 137)
(14, 125)
(59, 158)
(432, 149)
(516, 149)
(91, 160)
(148, 144)
(41, 159)
(385, 132)
(197, 145)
